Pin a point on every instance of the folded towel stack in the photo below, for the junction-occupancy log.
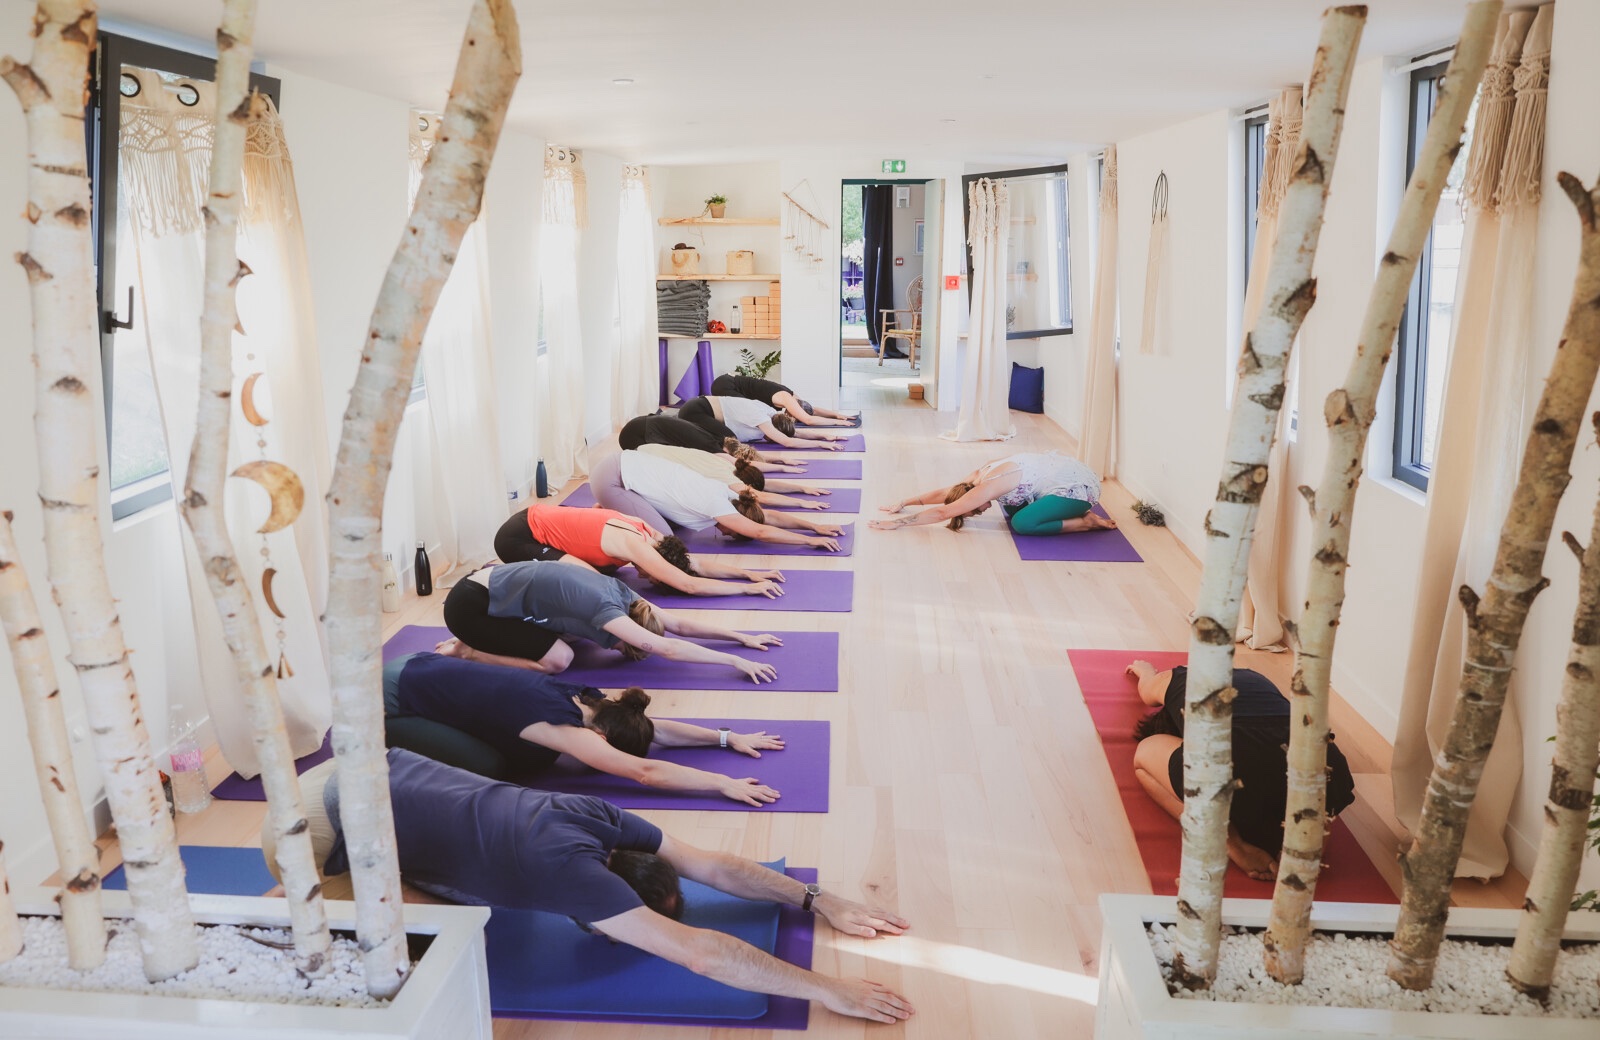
(683, 308)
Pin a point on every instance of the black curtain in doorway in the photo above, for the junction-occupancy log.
(877, 263)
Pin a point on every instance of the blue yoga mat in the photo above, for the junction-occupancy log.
(215, 871)
(837, 500)
(544, 966)
(804, 591)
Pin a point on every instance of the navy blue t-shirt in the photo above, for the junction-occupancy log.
(491, 702)
(1258, 698)
(473, 840)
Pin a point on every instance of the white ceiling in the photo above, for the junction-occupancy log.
(745, 80)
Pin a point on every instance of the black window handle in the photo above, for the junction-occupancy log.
(111, 320)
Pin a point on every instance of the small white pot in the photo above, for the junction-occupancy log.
(446, 997)
(1134, 1001)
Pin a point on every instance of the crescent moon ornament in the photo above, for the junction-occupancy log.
(247, 401)
(266, 590)
(282, 486)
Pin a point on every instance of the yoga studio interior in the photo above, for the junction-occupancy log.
(536, 519)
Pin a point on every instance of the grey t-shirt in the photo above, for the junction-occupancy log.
(562, 597)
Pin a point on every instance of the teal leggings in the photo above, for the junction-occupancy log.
(1044, 514)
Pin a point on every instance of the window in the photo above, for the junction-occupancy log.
(1255, 163)
(137, 444)
(1039, 284)
(1423, 345)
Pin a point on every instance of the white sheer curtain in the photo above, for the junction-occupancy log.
(985, 412)
(1260, 613)
(1100, 380)
(635, 386)
(561, 410)
(458, 372)
(165, 152)
(1481, 431)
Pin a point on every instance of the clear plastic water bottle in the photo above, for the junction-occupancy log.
(391, 585)
(190, 794)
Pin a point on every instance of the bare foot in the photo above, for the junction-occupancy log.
(1098, 521)
(1253, 861)
(453, 647)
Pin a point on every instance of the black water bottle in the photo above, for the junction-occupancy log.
(424, 571)
(541, 481)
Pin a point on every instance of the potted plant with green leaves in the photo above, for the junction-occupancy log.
(718, 205)
(756, 367)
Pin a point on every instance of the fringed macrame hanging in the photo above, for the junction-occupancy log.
(566, 189)
(1156, 263)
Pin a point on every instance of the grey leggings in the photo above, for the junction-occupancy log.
(605, 479)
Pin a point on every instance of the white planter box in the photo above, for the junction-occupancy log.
(1134, 1002)
(446, 998)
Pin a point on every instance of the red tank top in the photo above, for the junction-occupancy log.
(576, 532)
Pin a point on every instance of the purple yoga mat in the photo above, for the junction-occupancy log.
(796, 935)
(237, 789)
(824, 467)
(1110, 546)
(804, 591)
(855, 442)
(712, 542)
(839, 500)
(799, 772)
(807, 662)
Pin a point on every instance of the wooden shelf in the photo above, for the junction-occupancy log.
(717, 335)
(721, 221)
(716, 278)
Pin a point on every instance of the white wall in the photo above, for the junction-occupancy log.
(1173, 418)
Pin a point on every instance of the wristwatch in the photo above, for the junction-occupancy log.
(722, 736)
(813, 890)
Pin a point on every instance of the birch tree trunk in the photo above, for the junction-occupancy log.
(1572, 774)
(1495, 621)
(448, 201)
(10, 927)
(202, 502)
(1208, 728)
(60, 270)
(1349, 413)
(76, 854)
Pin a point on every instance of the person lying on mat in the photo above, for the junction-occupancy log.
(509, 723)
(748, 420)
(780, 397)
(1040, 493)
(680, 433)
(468, 839)
(605, 540)
(661, 493)
(1260, 761)
(516, 614)
(727, 469)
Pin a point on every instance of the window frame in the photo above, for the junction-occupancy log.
(1255, 171)
(1411, 346)
(1064, 242)
(103, 109)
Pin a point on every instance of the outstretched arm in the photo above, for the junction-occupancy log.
(774, 435)
(672, 733)
(796, 522)
(794, 487)
(738, 523)
(684, 625)
(653, 565)
(714, 567)
(591, 749)
(927, 498)
(981, 495)
(1152, 684)
(634, 634)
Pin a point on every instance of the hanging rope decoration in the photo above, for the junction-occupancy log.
(805, 232)
(1155, 265)
(288, 496)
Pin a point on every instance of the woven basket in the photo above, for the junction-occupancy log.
(741, 261)
(686, 261)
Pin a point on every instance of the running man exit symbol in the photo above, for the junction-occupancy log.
(894, 166)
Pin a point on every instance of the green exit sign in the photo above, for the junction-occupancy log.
(894, 166)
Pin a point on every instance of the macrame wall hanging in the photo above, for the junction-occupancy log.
(804, 231)
(1155, 265)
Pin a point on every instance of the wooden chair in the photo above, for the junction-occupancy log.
(908, 328)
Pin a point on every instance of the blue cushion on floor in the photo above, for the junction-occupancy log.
(1027, 388)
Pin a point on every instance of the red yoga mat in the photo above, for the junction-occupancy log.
(1112, 696)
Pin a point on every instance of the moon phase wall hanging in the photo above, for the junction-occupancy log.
(287, 496)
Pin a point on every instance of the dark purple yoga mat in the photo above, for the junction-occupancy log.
(804, 591)
(799, 772)
(807, 662)
(796, 935)
(1086, 546)
(839, 500)
(823, 467)
(237, 789)
(855, 442)
(712, 541)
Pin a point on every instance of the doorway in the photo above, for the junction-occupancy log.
(888, 271)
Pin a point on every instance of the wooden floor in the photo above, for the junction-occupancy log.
(969, 790)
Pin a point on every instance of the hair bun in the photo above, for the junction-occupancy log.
(635, 698)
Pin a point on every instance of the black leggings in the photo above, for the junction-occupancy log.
(514, 542)
(666, 429)
(466, 615)
(700, 412)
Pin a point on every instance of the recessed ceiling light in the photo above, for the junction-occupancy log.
(622, 81)
(947, 120)
(986, 75)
